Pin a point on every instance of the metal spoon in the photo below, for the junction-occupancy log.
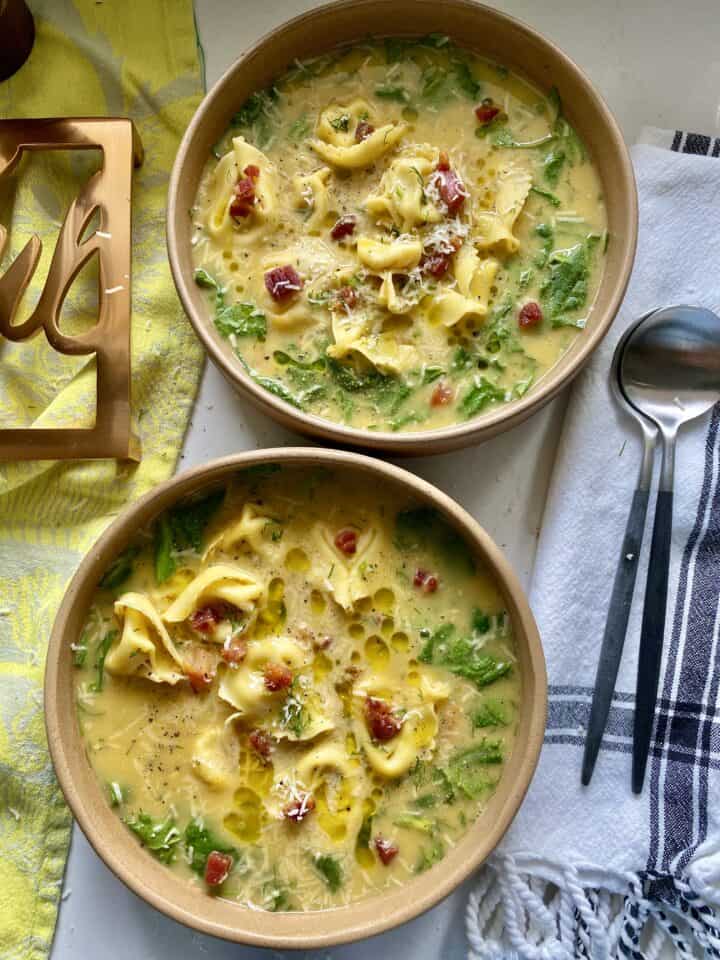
(625, 574)
(670, 372)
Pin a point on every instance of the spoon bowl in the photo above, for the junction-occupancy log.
(670, 368)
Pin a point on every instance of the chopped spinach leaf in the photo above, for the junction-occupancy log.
(546, 195)
(80, 649)
(258, 116)
(120, 569)
(482, 392)
(462, 360)
(182, 528)
(425, 528)
(329, 869)
(203, 279)
(160, 837)
(467, 769)
(299, 129)
(426, 800)
(552, 165)
(490, 714)
(463, 656)
(242, 320)
(341, 123)
(364, 834)
(415, 821)
(430, 855)
(101, 652)
(479, 622)
(115, 794)
(276, 896)
(430, 374)
(565, 288)
(388, 91)
(200, 843)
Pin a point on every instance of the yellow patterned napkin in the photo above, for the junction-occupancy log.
(93, 59)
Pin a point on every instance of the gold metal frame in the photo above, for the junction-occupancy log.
(107, 191)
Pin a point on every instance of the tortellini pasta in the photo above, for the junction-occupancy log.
(245, 688)
(336, 142)
(219, 583)
(312, 194)
(495, 227)
(263, 215)
(403, 197)
(144, 647)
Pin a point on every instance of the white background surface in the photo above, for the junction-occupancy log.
(657, 63)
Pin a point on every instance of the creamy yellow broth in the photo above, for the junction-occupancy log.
(300, 787)
(368, 330)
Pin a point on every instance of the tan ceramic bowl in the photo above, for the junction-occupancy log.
(489, 33)
(222, 918)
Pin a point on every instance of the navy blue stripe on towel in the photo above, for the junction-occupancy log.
(679, 791)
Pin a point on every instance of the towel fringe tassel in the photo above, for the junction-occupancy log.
(512, 915)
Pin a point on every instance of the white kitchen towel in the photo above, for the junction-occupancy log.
(597, 871)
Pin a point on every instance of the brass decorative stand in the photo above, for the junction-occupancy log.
(108, 191)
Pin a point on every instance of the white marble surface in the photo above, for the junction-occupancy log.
(656, 63)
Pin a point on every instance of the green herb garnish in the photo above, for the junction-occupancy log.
(200, 843)
(329, 869)
(388, 91)
(482, 392)
(490, 714)
(242, 320)
(463, 656)
(182, 528)
(103, 648)
(120, 569)
(160, 837)
(467, 769)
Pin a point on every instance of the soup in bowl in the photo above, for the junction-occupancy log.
(286, 688)
(404, 242)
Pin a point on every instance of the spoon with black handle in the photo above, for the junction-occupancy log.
(670, 373)
(625, 574)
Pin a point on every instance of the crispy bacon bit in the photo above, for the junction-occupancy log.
(260, 742)
(441, 395)
(452, 189)
(207, 618)
(299, 807)
(386, 849)
(425, 581)
(282, 283)
(381, 721)
(200, 680)
(348, 295)
(277, 676)
(234, 652)
(244, 197)
(487, 111)
(363, 131)
(346, 542)
(530, 315)
(435, 263)
(344, 227)
(217, 867)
